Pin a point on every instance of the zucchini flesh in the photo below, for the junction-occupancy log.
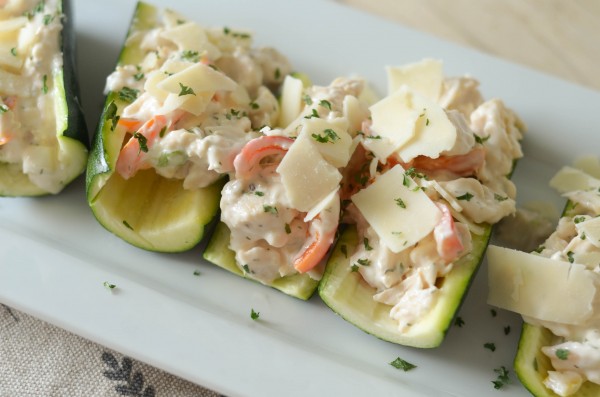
(148, 210)
(217, 251)
(71, 129)
(348, 295)
(532, 366)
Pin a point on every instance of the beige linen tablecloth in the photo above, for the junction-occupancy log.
(555, 36)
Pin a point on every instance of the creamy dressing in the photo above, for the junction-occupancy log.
(469, 180)
(28, 125)
(203, 130)
(575, 356)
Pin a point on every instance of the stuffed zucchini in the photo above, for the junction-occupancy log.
(555, 290)
(181, 103)
(280, 209)
(43, 136)
(429, 180)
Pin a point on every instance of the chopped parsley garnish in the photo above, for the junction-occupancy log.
(344, 250)
(502, 379)
(540, 249)
(507, 330)
(45, 84)
(162, 131)
(364, 262)
(188, 55)
(307, 99)
(142, 140)
(373, 137)
(459, 322)
(226, 30)
(490, 346)
(578, 219)
(109, 286)
(254, 105)
(467, 197)
(271, 209)
(314, 113)
(186, 90)
(246, 268)
(197, 272)
(259, 193)
(412, 172)
(288, 229)
(254, 315)
(13, 51)
(128, 94)
(498, 197)
(366, 243)
(405, 180)
(399, 363)
(571, 256)
(354, 268)
(3, 109)
(562, 354)
(48, 19)
(277, 73)
(329, 135)
(493, 312)
(111, 114)
(325, 104)
(480, 139)
(127, 225)
(427, 121)
(138, 76)
(400, 203)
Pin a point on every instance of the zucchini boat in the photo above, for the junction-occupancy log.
(554, 290)
(43, 136)
(182, 101)
(280, 209)
(420, 201)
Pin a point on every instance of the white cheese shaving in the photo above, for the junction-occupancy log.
(591, 228)
(291, 100)
(336, 144)
(424, 77)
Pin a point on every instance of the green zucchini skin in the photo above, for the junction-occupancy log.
(147, 211)
(74, 135)
(531, 365)
(351, 298)
(217, 251)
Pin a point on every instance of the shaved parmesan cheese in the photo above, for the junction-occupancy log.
(322, 205)
(199, 78)
(368, 95)
(591, 228)
(434, 132)
(570, 179)
(395, 118)
(400, 216)
(10, 25)
(191, 37)
(539, 287)
(589, 165)
(291, 100)
(424, 77)
(307, 177)
(7, 58)
(356, 112)
(330, 137)
(444, 193)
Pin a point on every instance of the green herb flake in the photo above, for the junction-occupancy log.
(490, 346)
(259, 193)
(459, 322)
(288, 229)
(127, 225)
(197, 272)
(427, 121)
(13, 51)
(45, 84)
(138, 76)
(271, 209)
(400, 203)
(571, 256)
(254, 315)
(162, 131)
(480, 139)
(3, 109)
(562, 354)
(539, 249)
(493, 312)
(507, 330)
(48, 19)
(307, 99)
(354, 268)
(366, 243)
(405, 366)
(364, 262)
(578, 219)
(128, 94)
(314, 113)
(226, 30)
(111, 114)
(277, 74)
(246, 268)
(502, 378)
(186, 90)
(254, 105)
(500, 198)
(188, 55)
(467, 197)
(325, 104)
(329, 135)
(143, 141)
(109, 286)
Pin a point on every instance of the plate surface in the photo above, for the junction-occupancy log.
(56, 256)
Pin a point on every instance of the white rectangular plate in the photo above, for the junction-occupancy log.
(55, 257)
